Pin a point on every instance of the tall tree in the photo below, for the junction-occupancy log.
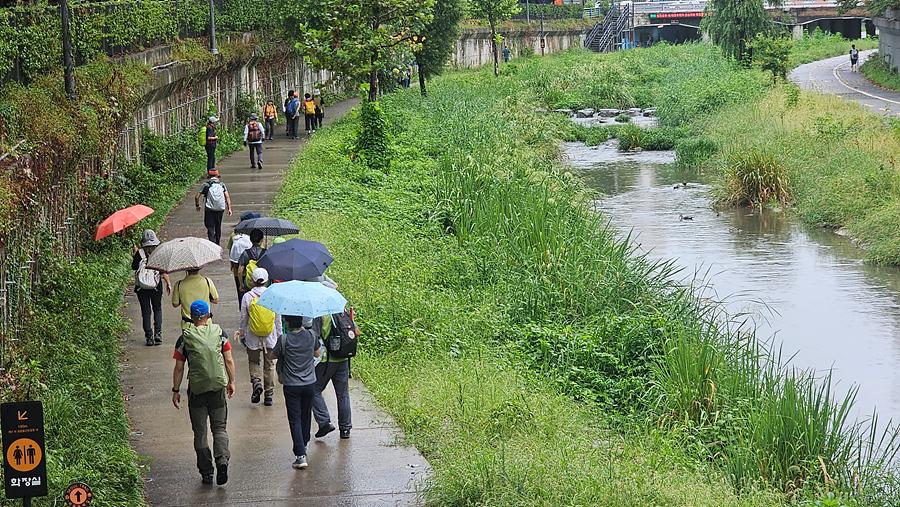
(438, 40)
(495, 11)
(355, 38)
(733, 24)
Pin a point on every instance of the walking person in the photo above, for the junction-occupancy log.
(217, 202)
(212, 139)
(247, 261)
(854, 58)
(270, 116)
(288, 116)
(337, 371)
(295, 352)
(193, 287)
(320, 108)
(148, 285)
(309, 113)
(254, 133)
(506, 53)
(236, 246)
(293, 115)
(205, 348)
(259, 332)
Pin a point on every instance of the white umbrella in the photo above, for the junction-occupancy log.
(182, 254)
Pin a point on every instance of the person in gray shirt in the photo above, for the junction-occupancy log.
(296, 351)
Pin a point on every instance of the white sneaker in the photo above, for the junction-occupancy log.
(300, 463)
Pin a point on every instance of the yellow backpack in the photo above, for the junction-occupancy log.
(262, 320)
(248, 273)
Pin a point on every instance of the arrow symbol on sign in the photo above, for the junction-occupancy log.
(22, 415)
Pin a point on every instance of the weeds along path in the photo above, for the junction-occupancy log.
(833, 76)
(368, 469)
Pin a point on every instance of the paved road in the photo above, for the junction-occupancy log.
(369, 469)
(833, 76)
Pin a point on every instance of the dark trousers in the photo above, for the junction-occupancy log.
(210, 156)
(255, 154)
(270, 128)
(310, 122)
(210, 407)
(294, 123)
(151, 303)
(298, 400)
(213, 222)
(320, 117)
(339, 375)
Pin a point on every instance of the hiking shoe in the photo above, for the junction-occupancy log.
(149, 341)
(345, 434)
(259, 166)
(257, 392)
(300, 463)
(207, 479)
(157, 338)
(268, 401)
(324, 430)
(221, 474)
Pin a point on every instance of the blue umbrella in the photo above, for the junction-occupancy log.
(302, 299)
(295, 259)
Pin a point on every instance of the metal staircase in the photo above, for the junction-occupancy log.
(607, 35)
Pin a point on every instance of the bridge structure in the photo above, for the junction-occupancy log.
(679, 21)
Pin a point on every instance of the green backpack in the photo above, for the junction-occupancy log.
(206, 365)
(201, 136)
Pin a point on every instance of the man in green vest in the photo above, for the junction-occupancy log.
(207, 351)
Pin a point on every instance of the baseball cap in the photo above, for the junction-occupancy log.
(247, 215)
(212, 172)
(213, 119)
(253, 117)
(199, 308)
(260, 275)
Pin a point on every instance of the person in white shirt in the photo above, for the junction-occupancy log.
(259, 332)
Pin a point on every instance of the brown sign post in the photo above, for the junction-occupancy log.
(24, 454)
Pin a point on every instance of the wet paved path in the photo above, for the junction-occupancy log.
(369, 469)
(833, 75)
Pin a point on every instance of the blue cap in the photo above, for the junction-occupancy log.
(247, 215)
(199, 308)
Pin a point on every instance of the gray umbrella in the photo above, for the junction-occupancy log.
(269, 226)
(182, 254)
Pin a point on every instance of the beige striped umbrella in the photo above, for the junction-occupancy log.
(182, 254)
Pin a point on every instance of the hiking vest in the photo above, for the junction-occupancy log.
(206, 365)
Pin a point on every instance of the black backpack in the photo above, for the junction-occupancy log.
(343, 339)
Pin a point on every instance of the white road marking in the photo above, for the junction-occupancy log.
(857, 90)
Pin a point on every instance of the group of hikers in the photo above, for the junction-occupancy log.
(288, 348)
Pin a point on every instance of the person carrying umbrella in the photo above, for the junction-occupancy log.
(259, 332)
(148, 285)
(237, 243)
(216, 203)
(248, 260)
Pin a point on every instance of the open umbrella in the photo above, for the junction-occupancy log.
(295, 259)
(122, 219)
(269, 226)
(303, 299)
(182, 254)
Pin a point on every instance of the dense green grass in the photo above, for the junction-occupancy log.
(878, 71)
(476, 261)
(820, 45)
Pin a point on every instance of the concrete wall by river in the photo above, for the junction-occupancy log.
(889, 36)
(474, 45)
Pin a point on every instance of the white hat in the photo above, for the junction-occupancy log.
(260, 275)
(213, 119)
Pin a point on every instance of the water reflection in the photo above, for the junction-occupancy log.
(808, 287)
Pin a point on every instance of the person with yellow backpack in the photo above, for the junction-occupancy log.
(259, 332)
(247, 261)
(309, 113)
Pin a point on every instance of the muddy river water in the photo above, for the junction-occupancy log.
(807, 288)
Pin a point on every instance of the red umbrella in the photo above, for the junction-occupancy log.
(121, 219)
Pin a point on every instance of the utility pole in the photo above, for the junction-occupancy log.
(542, 34)
(68, 65)
(212, 28)
(527, 12)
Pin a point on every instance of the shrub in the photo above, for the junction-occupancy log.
(630, 137)
(754, 177)
(694, 151)
(623, 118)
(372, 138)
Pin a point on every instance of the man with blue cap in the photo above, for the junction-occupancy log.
(204, 346)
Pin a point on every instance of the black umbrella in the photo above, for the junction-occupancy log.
(269, 226)
(295, 259)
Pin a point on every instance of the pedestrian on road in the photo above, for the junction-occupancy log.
(293, 115)
(259, 332)
(236, 246)
(506, 53)
(254, 133)
(148, 285)
(212, 139)
(309, 113)
(320, 108)
(295, 352)
(287, 116)
(270, 115)
(207, 351)
(337, 371)
(247, 261)
(193, 287)
(217, 201)
(854, 58)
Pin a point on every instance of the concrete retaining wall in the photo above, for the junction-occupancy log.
(474, 45)
(889, 37)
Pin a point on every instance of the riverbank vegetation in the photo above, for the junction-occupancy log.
(544, 361)
(877, 70)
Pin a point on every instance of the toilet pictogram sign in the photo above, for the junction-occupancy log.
(24, 460)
